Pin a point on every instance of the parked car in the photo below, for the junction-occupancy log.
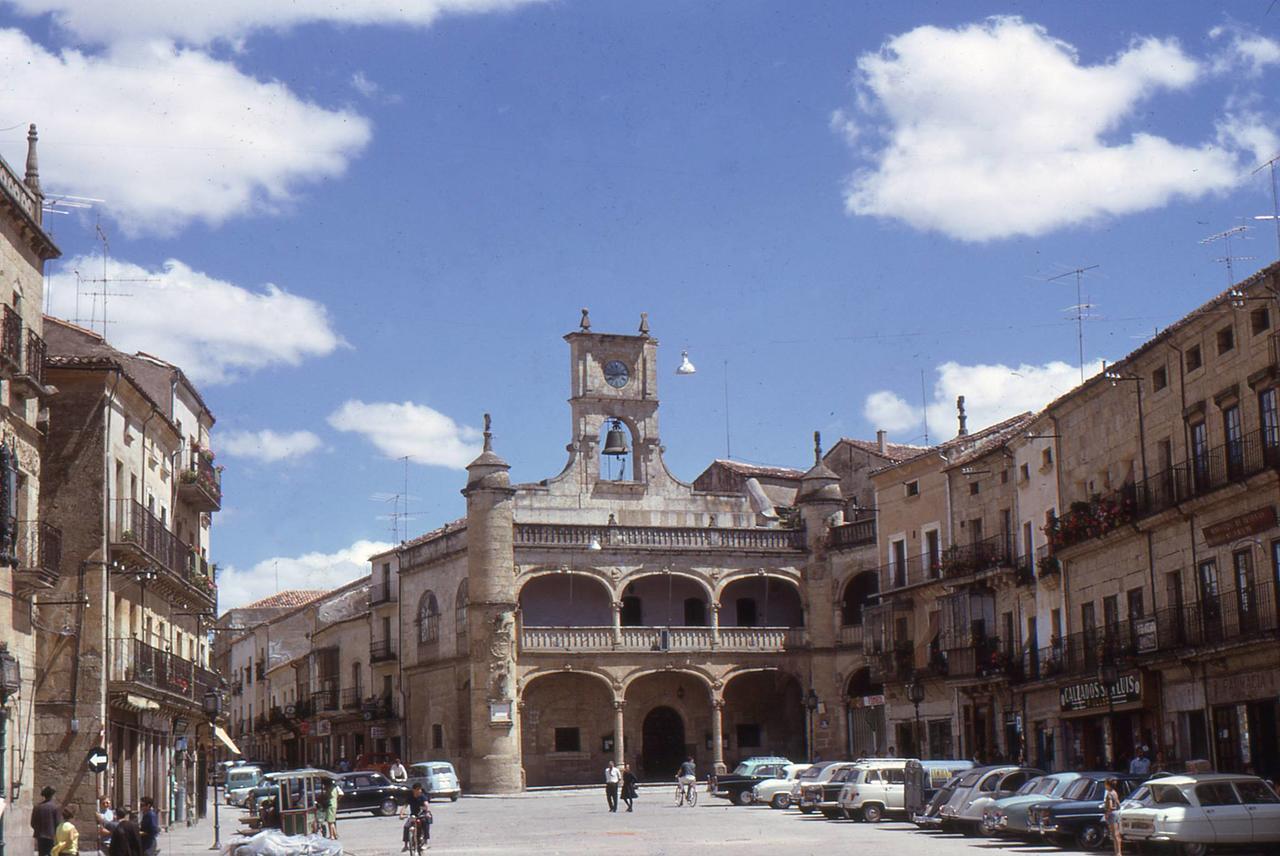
(879, 785)
(776, 793)
(736, 786)
(1076, 819)
(379, 762)
(438, 779)
(1197, 812)
(978, 789)
(1008, 816)
(930, 817)
(241, 780)
(823, 794)
(924, 778)
(368, 790)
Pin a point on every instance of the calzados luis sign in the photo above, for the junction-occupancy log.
(1091, 694)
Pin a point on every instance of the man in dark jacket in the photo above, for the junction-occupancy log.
(45, 818)
(150, 826)
(126, 840)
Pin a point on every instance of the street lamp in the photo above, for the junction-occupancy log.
(212, 709)
(1108, 674)
(811, 705)
(915, 695)
(10, 683)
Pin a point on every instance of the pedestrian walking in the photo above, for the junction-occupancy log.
(327, 805)
(67, 841)
(149, 827)
(612, 777)
(126, 838)
(1111, 813)
(629, 787)
(45, 818)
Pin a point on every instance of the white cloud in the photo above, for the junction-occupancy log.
(997, 129)
(991, 393)
(425, 435)
(268, 446)
(842, 123)
(212, 329)
(314, 570)
(169, 136)
(1244, 50)
(201, 21)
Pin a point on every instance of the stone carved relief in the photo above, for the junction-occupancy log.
(501, 645)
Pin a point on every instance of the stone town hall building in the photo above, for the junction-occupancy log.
(589, 617)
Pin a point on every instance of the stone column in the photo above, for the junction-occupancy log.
(717, 735)
(617, 623)
(715, 624)
(619, 726)
(495, 765)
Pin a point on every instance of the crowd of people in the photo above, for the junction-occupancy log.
(120, 832)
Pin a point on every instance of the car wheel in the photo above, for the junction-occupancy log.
(454, 797)
(872, 813)
(831, 813)
(745, 798)
(388, 807)
(1189, 849)
(780, 801)
(1091, 837)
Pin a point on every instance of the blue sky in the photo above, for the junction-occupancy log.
(362, 225)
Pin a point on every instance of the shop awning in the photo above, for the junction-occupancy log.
(226, 740)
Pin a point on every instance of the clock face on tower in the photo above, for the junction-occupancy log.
(616, 374)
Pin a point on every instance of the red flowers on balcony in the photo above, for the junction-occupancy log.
(1093, 519)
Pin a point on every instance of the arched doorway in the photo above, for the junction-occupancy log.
(661, 743)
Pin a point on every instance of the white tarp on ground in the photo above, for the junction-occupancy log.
(273, 842)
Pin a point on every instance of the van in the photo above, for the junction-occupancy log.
(879, 785)
(438, 779)
(240, 781)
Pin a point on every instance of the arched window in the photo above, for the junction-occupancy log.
(460, 604)
(428, 618)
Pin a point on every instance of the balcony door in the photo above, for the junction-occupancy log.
(1269, 416)
(1246, 602)
(1210, 607)
(1200, 456)
(1234, 434)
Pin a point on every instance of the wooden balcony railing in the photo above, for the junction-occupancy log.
(665, 538)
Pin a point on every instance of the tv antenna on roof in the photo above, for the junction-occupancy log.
(1274, 216)
(1079, 308)
(1226, 237)
(395, 499)
(105, 283)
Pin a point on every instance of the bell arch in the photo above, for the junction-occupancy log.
(617, 441)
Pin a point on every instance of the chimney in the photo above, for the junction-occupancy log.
(964, 431)
(880, 442)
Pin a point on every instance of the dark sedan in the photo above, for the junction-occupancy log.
(1076, 821)
(367, 790)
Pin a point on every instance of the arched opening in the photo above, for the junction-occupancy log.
(865, 721)
(617, 451)
(428, 619)
(858, 593)
(664, 600)
(460, 603)
(565, 600)
(763, 715)
(761, 601)
(661, 742)
(668, 718)
(566, 728)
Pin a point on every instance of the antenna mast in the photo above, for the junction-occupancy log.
(924, 407)
(1225, 237)
(1078, 273)
(1275, 202)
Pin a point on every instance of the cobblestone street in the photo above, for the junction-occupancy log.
(576, 822)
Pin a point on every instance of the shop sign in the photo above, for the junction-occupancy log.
(1090, 694)
(1258, 520)
(304, 728)
(1245, 687)
(1144, 630)
(499, 712)
(867, 701)
(324, 728)
(377, 732)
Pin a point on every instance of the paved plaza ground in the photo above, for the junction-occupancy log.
(576, 822)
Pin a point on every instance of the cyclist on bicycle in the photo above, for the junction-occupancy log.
(419, 813)
(687, 775)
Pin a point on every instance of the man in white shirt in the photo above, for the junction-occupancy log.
(612, 776)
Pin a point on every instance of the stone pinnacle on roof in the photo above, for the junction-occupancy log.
(585, 323)
(819, 483)
(32, 178)
(488, 470)
(644, 323)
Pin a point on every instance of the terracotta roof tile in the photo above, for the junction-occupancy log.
(758, 469)
(287, 599)
(892, 451)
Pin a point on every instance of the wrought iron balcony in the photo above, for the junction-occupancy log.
(134, 662)
(11, 338)
(382, 649)
(142, 540)
(32, 370)
(326, 699)
(200, 482)
(352, 698)
(985, 658)
(962, 560)
(39, 555)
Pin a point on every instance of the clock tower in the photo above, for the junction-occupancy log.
(614, 377)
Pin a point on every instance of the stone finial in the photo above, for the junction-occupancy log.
(964, 430)
(32, 178)
(644, 323)
(488, 434)
(585, 323)
(817, 447)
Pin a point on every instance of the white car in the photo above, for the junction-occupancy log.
(240, 781)
(979, 788)
(777, 792)
(1196, 812)
(438, 779)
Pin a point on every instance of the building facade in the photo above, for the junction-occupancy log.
(123, 653)
(30, 560)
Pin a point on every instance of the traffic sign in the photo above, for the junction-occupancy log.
(97, 759)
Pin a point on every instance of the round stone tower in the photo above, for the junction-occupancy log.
(491, 624)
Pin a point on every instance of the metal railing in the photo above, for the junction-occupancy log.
(201, 474)
(379, 592)
(352, 698)
(325, 698)
(921, 568)
(658, 537)
(39, 548)
(11, 337)
(382, 649)
(986, 658)
(33, 359)
(961, 560)
(135, 525)
(858, 533)
(134, 661)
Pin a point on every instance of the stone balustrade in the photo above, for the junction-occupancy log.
(639, 639)
(658, 537)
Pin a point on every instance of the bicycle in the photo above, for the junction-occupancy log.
(417, 845)
(686, 794)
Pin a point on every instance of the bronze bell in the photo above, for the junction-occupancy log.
(615, 442)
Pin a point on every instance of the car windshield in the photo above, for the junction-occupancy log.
(1033, 786)
(813, 772)
(1056, 786)
(840, 775)
(742, 769)
(1079, 789)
